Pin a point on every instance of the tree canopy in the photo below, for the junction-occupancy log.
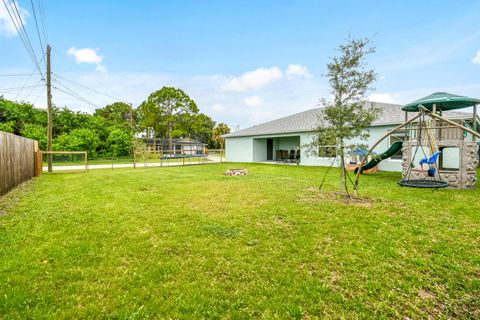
(174, 108)
(219, 130)
(111, 130)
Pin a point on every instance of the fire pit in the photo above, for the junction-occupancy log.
(236, 172)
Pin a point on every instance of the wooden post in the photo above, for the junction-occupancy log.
(49, 110)
(134, 158)
(474, 121)
(440, 113)
(38, 160)
(434, 123)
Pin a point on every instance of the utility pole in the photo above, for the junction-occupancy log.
(49, 112)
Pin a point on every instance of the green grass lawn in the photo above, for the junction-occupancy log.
(188, 242)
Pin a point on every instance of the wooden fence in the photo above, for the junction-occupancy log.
(20, 161)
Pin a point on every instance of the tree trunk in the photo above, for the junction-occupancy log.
(154, 140)
(343, 181)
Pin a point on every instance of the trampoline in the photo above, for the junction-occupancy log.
(427, 184)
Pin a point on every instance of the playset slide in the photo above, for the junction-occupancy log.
(394, 148)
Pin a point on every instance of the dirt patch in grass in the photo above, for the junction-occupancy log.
(313, 195)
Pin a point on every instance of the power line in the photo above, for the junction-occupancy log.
(94, 90)
(38, 96)
(34, 93)
(29, 93)
(20, 20)
(72, 93)
(36, 25)
(17, 88)
(16, 27)
(28, 79)
(18, 74)
(17, 21)
(43, 20)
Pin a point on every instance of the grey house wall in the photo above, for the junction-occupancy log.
(239, 149)
(254, 148)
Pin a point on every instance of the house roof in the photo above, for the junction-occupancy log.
(306, 121)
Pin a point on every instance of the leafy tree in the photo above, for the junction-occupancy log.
(65, 120)
(7, 126)
(197, 126)
(148, 119)
(14, 116)
(117, 114)
(102, 128)
(168, 112)
(36, 132)
(119, 142)
(219, 130)
(78, 140)
(347, 117)
(172, 104)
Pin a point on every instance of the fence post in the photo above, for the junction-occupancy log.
(38, 160)
(134, 159)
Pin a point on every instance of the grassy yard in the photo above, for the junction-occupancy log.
(188, 242)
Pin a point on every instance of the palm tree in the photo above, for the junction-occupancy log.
(219, 130)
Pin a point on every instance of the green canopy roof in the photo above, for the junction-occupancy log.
(443, 101)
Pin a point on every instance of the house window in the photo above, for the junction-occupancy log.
(327, 151)
(395, 137)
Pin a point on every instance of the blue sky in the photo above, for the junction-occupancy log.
(244, 62)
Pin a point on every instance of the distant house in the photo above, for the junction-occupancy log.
(269, 141)
(180, 146)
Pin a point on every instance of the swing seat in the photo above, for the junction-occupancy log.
(427, 184)
(432, 159)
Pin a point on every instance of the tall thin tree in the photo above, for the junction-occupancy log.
(344, 122)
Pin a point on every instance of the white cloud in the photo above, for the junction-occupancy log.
(217, 107)
(85, 55)
(7, 28)
(381, 97)
(297, 70)
(253, 80)
(88, 55)
(476, 59)
(253, 101)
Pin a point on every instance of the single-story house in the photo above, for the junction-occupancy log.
(263, 142)
(180, 146)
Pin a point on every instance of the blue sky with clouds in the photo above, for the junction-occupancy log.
(244, 62)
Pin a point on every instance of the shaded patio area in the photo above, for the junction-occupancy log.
(284, 149)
